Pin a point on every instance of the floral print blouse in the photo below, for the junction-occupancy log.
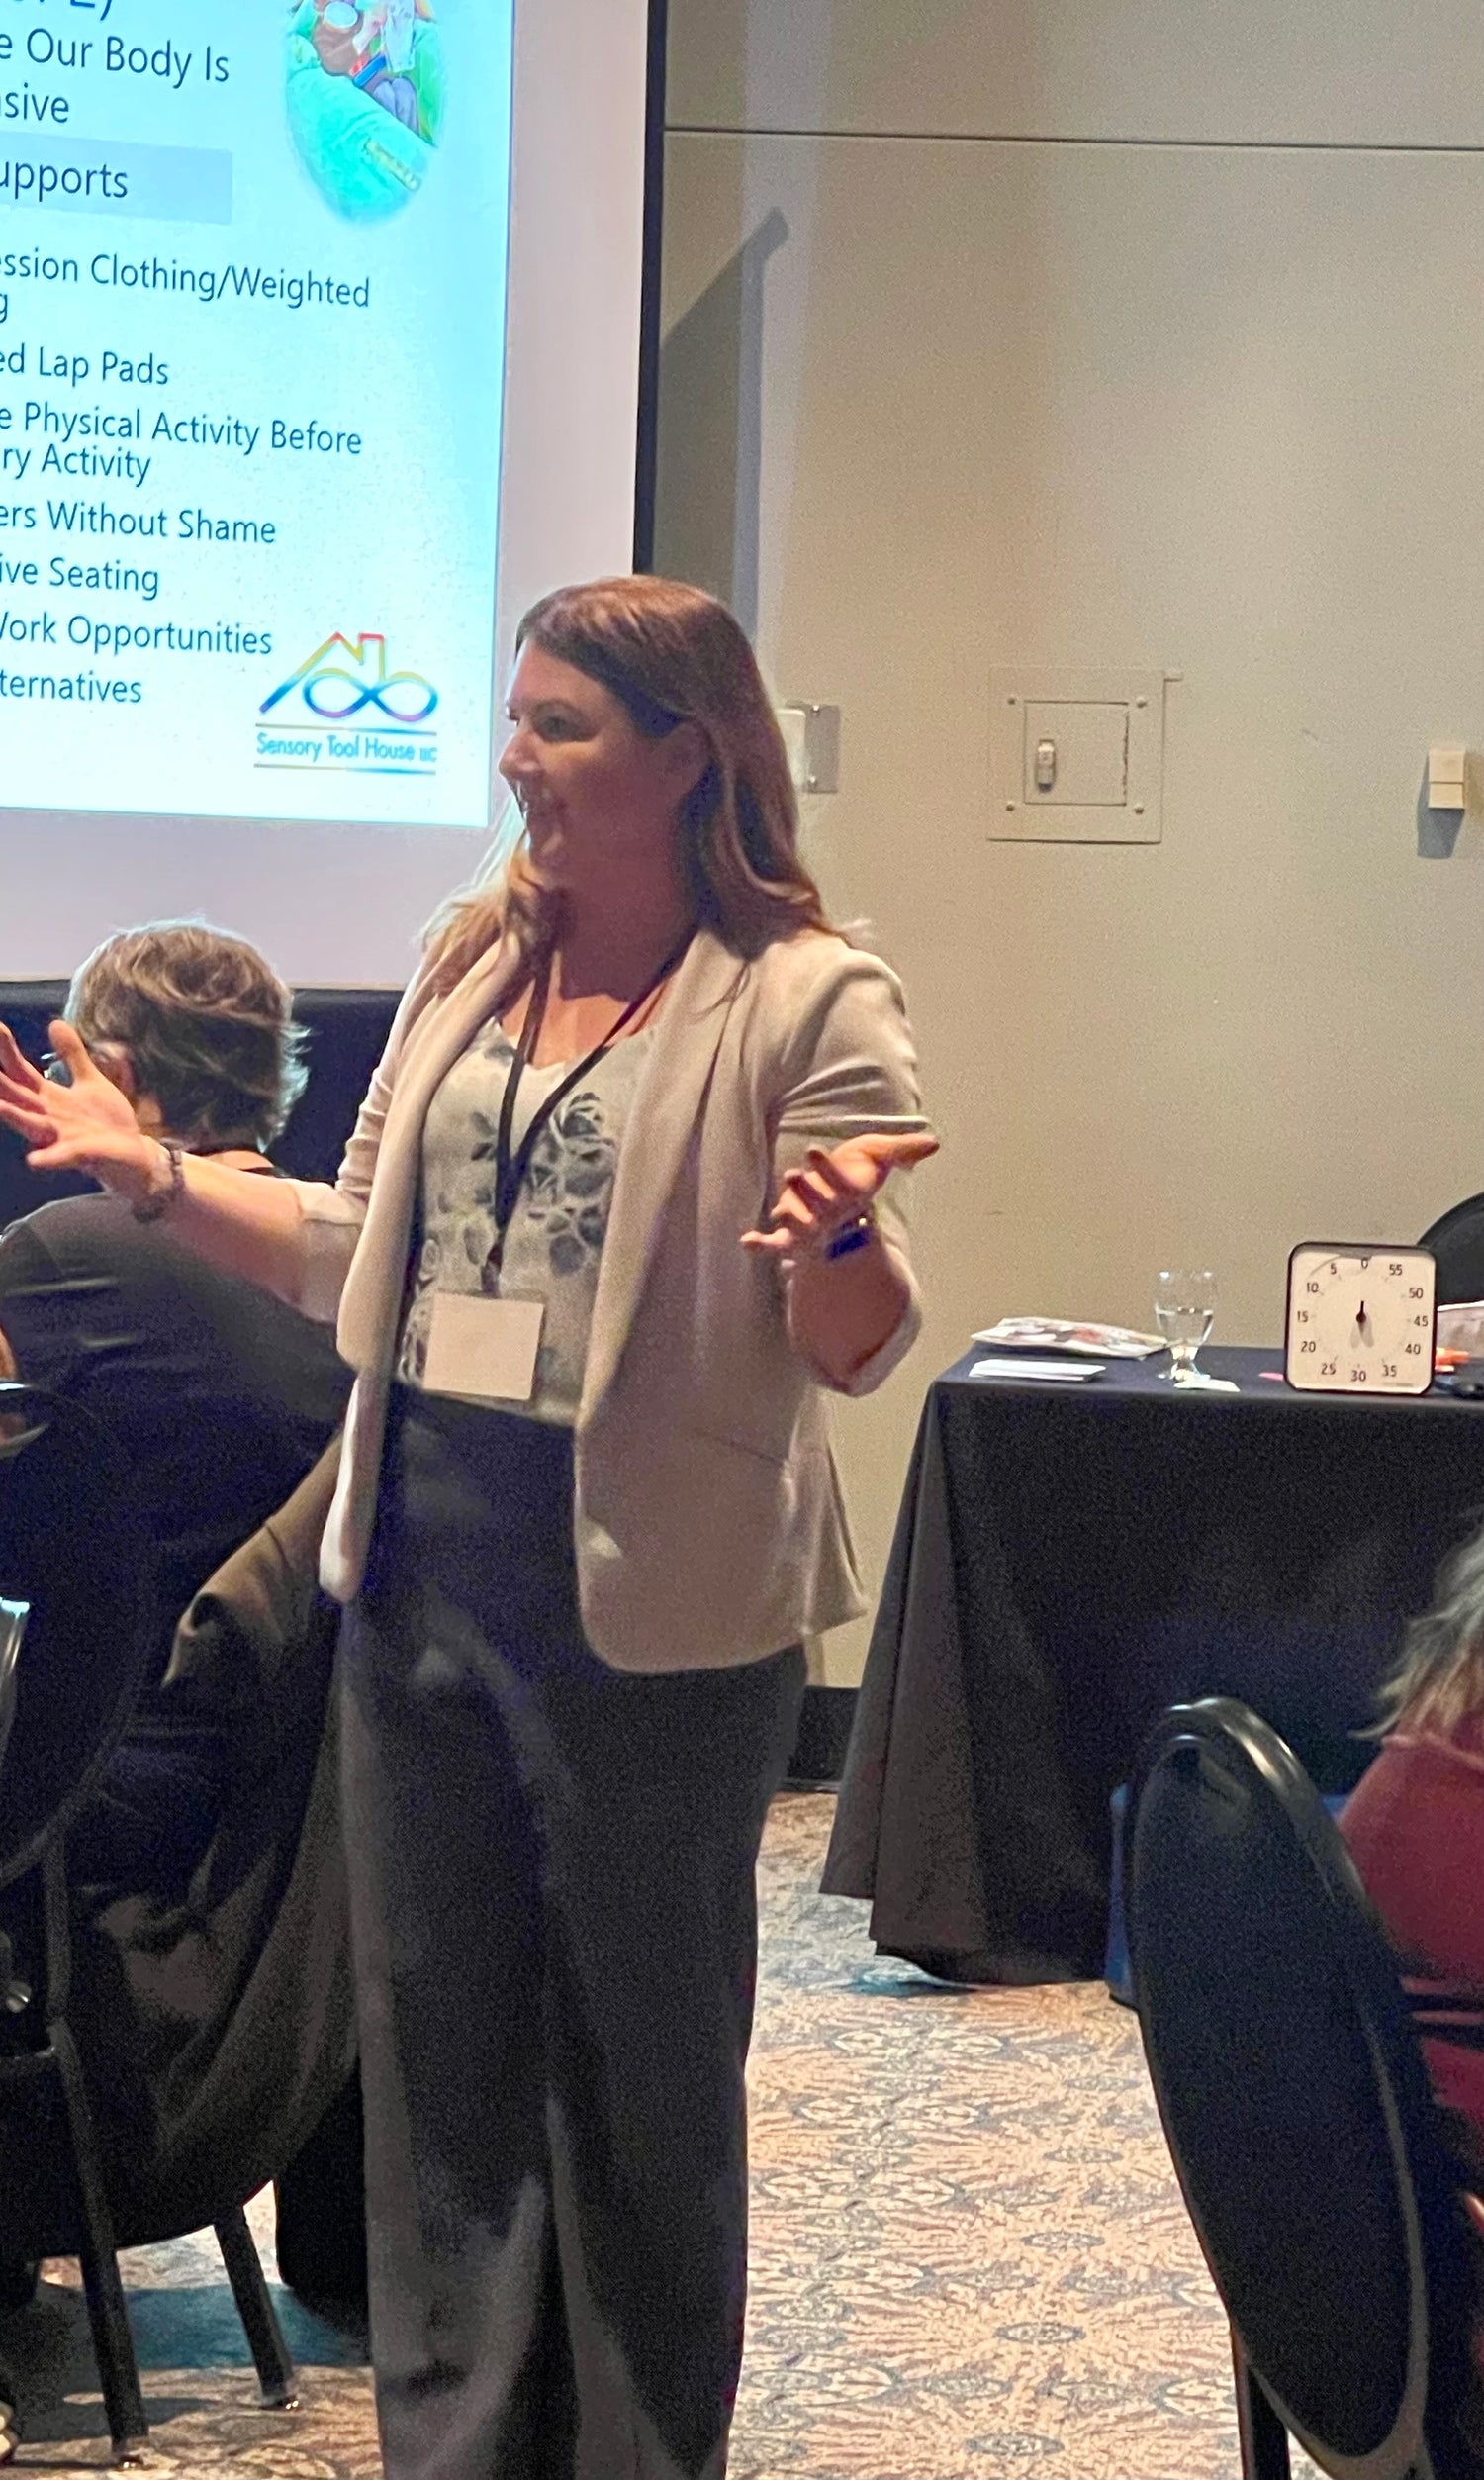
(554, 1243)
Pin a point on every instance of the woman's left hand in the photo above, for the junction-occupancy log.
(832, 1189)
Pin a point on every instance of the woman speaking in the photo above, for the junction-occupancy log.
(610, 1224)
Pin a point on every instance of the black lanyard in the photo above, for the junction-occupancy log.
(511, 1170)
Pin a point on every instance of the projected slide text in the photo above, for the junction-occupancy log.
(251, 341)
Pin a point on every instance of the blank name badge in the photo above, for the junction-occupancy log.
(483, 1348)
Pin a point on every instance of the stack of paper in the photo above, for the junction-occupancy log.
(1069, 1334)
(1460, 1326)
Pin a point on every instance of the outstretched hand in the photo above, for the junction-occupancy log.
(832, 1189)
(87, 1125)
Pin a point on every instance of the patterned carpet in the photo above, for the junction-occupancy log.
(970, 2261)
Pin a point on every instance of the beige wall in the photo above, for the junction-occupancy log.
(1111, 333)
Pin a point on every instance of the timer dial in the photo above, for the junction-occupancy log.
(1362, 1318)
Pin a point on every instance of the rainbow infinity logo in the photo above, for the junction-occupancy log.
(361, 671)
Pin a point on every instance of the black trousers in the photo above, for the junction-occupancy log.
(554, 1912)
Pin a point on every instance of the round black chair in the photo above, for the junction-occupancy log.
(1456, 1241)
(73, 1654)
(1297, 2110)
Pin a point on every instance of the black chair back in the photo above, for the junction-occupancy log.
(1456, 1241)
(74, 1650)
(13, 1618)
(1295, 2102)
(72, 1568)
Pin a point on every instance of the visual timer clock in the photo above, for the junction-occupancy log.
(1362, 1318)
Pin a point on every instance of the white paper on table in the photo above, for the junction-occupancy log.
(1061, 1373)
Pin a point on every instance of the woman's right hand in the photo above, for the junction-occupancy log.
(87, 1125)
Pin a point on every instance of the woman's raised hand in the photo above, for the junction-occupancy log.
(832, 1189)
(87, 1125)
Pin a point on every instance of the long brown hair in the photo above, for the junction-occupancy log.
(670, 654)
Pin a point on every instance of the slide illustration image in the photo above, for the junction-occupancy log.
(256, 398)
(365, 100)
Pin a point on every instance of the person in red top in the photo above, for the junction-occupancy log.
(1415, 1826)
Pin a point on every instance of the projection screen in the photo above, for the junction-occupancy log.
(319, 343)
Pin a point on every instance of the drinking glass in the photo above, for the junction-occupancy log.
(1184, 1305)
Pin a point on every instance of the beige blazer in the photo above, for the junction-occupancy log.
(708, 1521)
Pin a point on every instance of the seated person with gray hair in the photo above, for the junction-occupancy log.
(222, 1396)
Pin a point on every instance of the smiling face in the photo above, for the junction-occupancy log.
(599, 797)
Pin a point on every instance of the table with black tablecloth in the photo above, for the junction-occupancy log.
(1070, 1559)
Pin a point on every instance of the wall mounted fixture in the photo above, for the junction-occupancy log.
(1448, 774)
(1076, 757)
(811, 737)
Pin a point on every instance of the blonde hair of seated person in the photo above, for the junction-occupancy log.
(1439, 1683)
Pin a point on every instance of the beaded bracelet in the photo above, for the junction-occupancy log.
(151, 1208)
